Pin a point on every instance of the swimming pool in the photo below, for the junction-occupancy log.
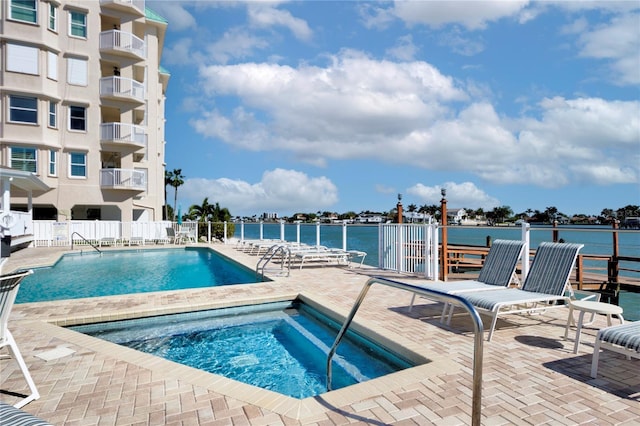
(278, 346)
(111, 273)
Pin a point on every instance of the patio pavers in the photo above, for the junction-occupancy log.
(530, 375)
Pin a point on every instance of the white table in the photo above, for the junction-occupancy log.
(584, 306)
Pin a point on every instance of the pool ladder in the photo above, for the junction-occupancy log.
(439, 297)
(273, 252)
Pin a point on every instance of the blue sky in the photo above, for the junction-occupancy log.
(339, 106)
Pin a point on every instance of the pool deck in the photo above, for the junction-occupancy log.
(530, 374)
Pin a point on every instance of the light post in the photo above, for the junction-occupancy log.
(443, 224)
(399, 208)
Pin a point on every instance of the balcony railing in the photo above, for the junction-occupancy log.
(122, 42)
(122, 88)
(123, 133)
(128, 179)
(125, 4)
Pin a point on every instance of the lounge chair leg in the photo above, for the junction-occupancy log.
(493, 326)
(15, 353)
(413, 299)
(450, 317)
(594, 359)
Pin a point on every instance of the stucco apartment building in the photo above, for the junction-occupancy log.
(82, 100)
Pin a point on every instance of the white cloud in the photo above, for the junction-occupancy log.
(409, 113)
(465, 194)
(266, 15)
(474, 15)
(181, 53)
(312, 110)
(404, 49)
(175, 13)
(618, 42)
(461, 44)
(281, 191)
(234, 44)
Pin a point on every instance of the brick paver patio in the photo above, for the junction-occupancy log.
(530, 374)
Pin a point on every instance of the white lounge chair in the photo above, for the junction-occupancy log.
(543, 288)
(321, 254)
(498, 271)
(9, 285)
(622, 338)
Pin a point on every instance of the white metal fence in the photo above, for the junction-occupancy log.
(409, 248)
(61, 234)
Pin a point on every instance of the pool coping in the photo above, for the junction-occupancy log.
(305, 410)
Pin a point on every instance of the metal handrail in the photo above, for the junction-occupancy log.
(87, 241)
(270, 254)
(437, 296)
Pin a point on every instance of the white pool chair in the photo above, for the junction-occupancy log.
(498, 271)
(9, 285)
(622, 338)
(544, 287)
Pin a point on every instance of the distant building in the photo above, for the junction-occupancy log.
(456, 216)
(270, 216)
(416, 217)
(83, 98)
(369, 218)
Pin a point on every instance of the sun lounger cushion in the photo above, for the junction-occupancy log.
(11, 416)
(624, 335)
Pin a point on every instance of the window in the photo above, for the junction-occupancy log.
(77, 71)
(22, 58)
(23, 109)
(53, 163)
(23, 158)
(77, 164)
(53, 17)
(77, 24)
(52, 66)
(53, 116)
(77, 118)
(24, 10)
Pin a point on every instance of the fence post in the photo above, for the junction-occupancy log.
(298, 231)
(261, 229)
(445, 252)
(555, 231)
(318, 234)
(613, 263)
(344, 235)
(526, 238)
(282, 230)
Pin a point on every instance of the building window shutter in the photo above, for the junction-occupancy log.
(52, 66)
(77, 71)
(22, 58)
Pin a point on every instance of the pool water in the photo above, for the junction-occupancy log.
(131, 271)
(277, 346)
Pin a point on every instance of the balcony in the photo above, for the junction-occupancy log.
(127, 179)
(123, 134)
(130, 6)
(121, 88)
(122, 43)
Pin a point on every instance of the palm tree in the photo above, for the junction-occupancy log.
(174, 179)
(211, 213)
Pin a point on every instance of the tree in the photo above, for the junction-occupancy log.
(501, 213)
(174, 179)
(552, 213)
(211, 213)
